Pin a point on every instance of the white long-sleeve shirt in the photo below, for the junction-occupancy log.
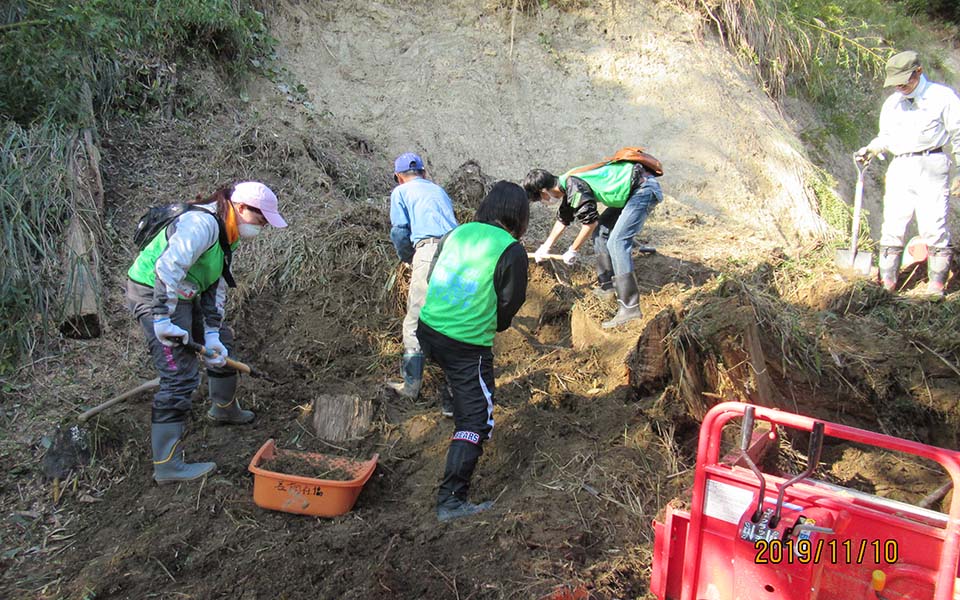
(927, 119)
(189, 236)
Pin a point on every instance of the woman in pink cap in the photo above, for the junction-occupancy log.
(177, 290)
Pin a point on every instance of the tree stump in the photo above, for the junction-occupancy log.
(341, 417)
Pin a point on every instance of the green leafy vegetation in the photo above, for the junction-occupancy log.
(941, 9)
(63, 58)
(837, 213)
(831, 52)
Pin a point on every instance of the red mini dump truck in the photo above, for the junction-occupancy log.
(750, 535)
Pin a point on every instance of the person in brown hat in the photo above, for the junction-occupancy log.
(919, 123)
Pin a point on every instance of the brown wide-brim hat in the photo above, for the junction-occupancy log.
(900, 67)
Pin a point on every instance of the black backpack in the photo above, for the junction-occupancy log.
(156, 218)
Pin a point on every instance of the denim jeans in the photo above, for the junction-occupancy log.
(616, 227)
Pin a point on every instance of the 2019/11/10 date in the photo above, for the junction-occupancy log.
(849, 552)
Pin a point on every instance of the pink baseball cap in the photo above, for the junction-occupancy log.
(259, 196)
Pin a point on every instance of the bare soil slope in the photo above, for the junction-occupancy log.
(461, 80)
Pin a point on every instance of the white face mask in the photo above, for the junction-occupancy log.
(248, 230)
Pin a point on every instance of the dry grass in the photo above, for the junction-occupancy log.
(44, 186)
(789, 47)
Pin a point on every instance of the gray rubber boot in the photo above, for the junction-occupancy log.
(452, 497)
(412, 368)
(604, 289)
(628, 301)
(168, 465)
(889, 263)
(938, 269)
(224, 407)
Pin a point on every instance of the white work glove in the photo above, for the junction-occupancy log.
(874, 148)
(168, 333)
(211, 341)
(570, 256)
(541, 254)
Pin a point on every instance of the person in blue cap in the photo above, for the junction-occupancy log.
(421, 213)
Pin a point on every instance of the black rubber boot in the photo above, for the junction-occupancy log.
(168, 464)
(938, 269)
(604, 287)
(889, 263)
(412, 368)
(452, 497)
(224, 407)
(628, 301)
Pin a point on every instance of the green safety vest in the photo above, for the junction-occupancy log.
(610, 183)
(461, 302)
(204, 273)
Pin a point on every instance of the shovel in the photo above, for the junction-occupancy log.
(233, 364)
(143, 387)
(850, 260)
(637, 249)
(72, 446)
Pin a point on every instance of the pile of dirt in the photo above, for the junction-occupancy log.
(314, 467)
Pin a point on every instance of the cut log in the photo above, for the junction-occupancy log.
(766, 392)
(341, 417)
(81, 291)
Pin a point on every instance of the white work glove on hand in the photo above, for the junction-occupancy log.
(541, 254)
(169, 334)
(211, 341)
(874, 148)
(570, 256)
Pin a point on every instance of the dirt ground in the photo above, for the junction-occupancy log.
(595, 431)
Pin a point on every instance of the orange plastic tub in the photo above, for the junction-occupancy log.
(292, 493)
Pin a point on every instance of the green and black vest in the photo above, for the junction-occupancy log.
(611, 184)
(461, 301)
(204, 273)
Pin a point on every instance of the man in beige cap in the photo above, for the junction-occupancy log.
(919, 124)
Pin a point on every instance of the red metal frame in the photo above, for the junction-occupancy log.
(928, 543)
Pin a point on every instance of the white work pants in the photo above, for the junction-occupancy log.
(917, 184)
(422, 257)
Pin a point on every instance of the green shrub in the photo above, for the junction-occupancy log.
(65, 58)
(831, 52)
(941, 9)
(837, 213)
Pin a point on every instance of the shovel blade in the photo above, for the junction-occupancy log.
(855, 263)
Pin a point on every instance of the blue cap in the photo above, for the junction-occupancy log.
(407, 161)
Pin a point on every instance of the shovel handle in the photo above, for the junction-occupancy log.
(549, 256)
(233, 364)
(143, 387)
